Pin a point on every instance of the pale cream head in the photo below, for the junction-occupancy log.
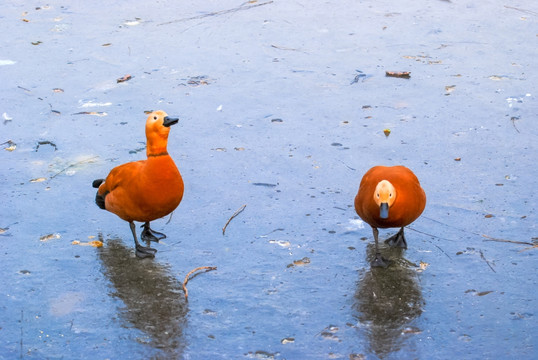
(384, 193)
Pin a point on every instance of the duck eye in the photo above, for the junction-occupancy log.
(377, 195)
(155, 118)
(390, 195)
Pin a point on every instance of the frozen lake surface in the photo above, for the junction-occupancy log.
(283, 107)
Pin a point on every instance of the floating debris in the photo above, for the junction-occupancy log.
(360, 76)
(288, 340)
(6, 117)
(187, 277)
(94, 104)
(48, 237)
(136, 21)
(45, 142)
(457, 159)
(94, 243)
(36, 42)
(58, 90)
(423, 266)
(282, 243)
(449, 89)
(239, 211)
(124, 78)
(41, 179)
(195, 81)
(264, 184)
(7, 62)
(300, 262)
(11, 146)
(398, 74)
(386, 132)
(96, 113)
(411, 330)
(277, 120)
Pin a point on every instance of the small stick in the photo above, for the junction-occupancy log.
(486, 260)
(206, 268)
(217, 13)
(234, 215)
(90, 160)
(506, 241)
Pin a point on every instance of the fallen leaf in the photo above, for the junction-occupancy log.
(301, 262)
(457, 159)
(398, 74)
(96, 113)
(49, 237)
(386, 132)
(41, 179)
(488, 216)
(449, 89)
(124, 78)
(94, 243)
(11, 145)
(58, 90)
(36, 42)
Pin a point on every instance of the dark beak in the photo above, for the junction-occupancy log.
(168, 121)
(384, 211)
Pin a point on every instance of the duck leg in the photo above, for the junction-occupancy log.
(379, 261)
(141, 251)
(397, 240)
(148, 234)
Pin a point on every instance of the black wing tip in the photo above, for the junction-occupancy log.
(100, 200)
(97, 183)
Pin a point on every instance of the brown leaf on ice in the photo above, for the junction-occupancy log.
(124, 78)
(398, 74)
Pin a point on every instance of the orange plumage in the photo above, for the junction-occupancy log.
(144, 190)
(389, 197)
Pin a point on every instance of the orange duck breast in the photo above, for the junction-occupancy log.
(389, 197)
(144, 190)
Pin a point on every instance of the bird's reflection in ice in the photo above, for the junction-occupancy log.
(387, 301)
(153, 298)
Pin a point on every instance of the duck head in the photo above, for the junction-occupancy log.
(384, 197)
(157, 129)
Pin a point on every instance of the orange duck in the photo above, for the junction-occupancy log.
(144, 190)
(389, 197)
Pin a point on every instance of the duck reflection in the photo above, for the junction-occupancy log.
(154, 299)
(387, 301)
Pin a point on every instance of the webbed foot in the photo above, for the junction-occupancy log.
(397, 240)
(149, 234)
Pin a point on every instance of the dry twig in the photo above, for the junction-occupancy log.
(488, 238)
(90, 160)
(217, 13)
(206, 268)
(234, 215)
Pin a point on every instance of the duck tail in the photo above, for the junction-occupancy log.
(97, 183)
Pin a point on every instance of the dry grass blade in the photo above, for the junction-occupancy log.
(187, 277)
(488, 238)
(239, 211)
(217, 13)
(90, 160)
